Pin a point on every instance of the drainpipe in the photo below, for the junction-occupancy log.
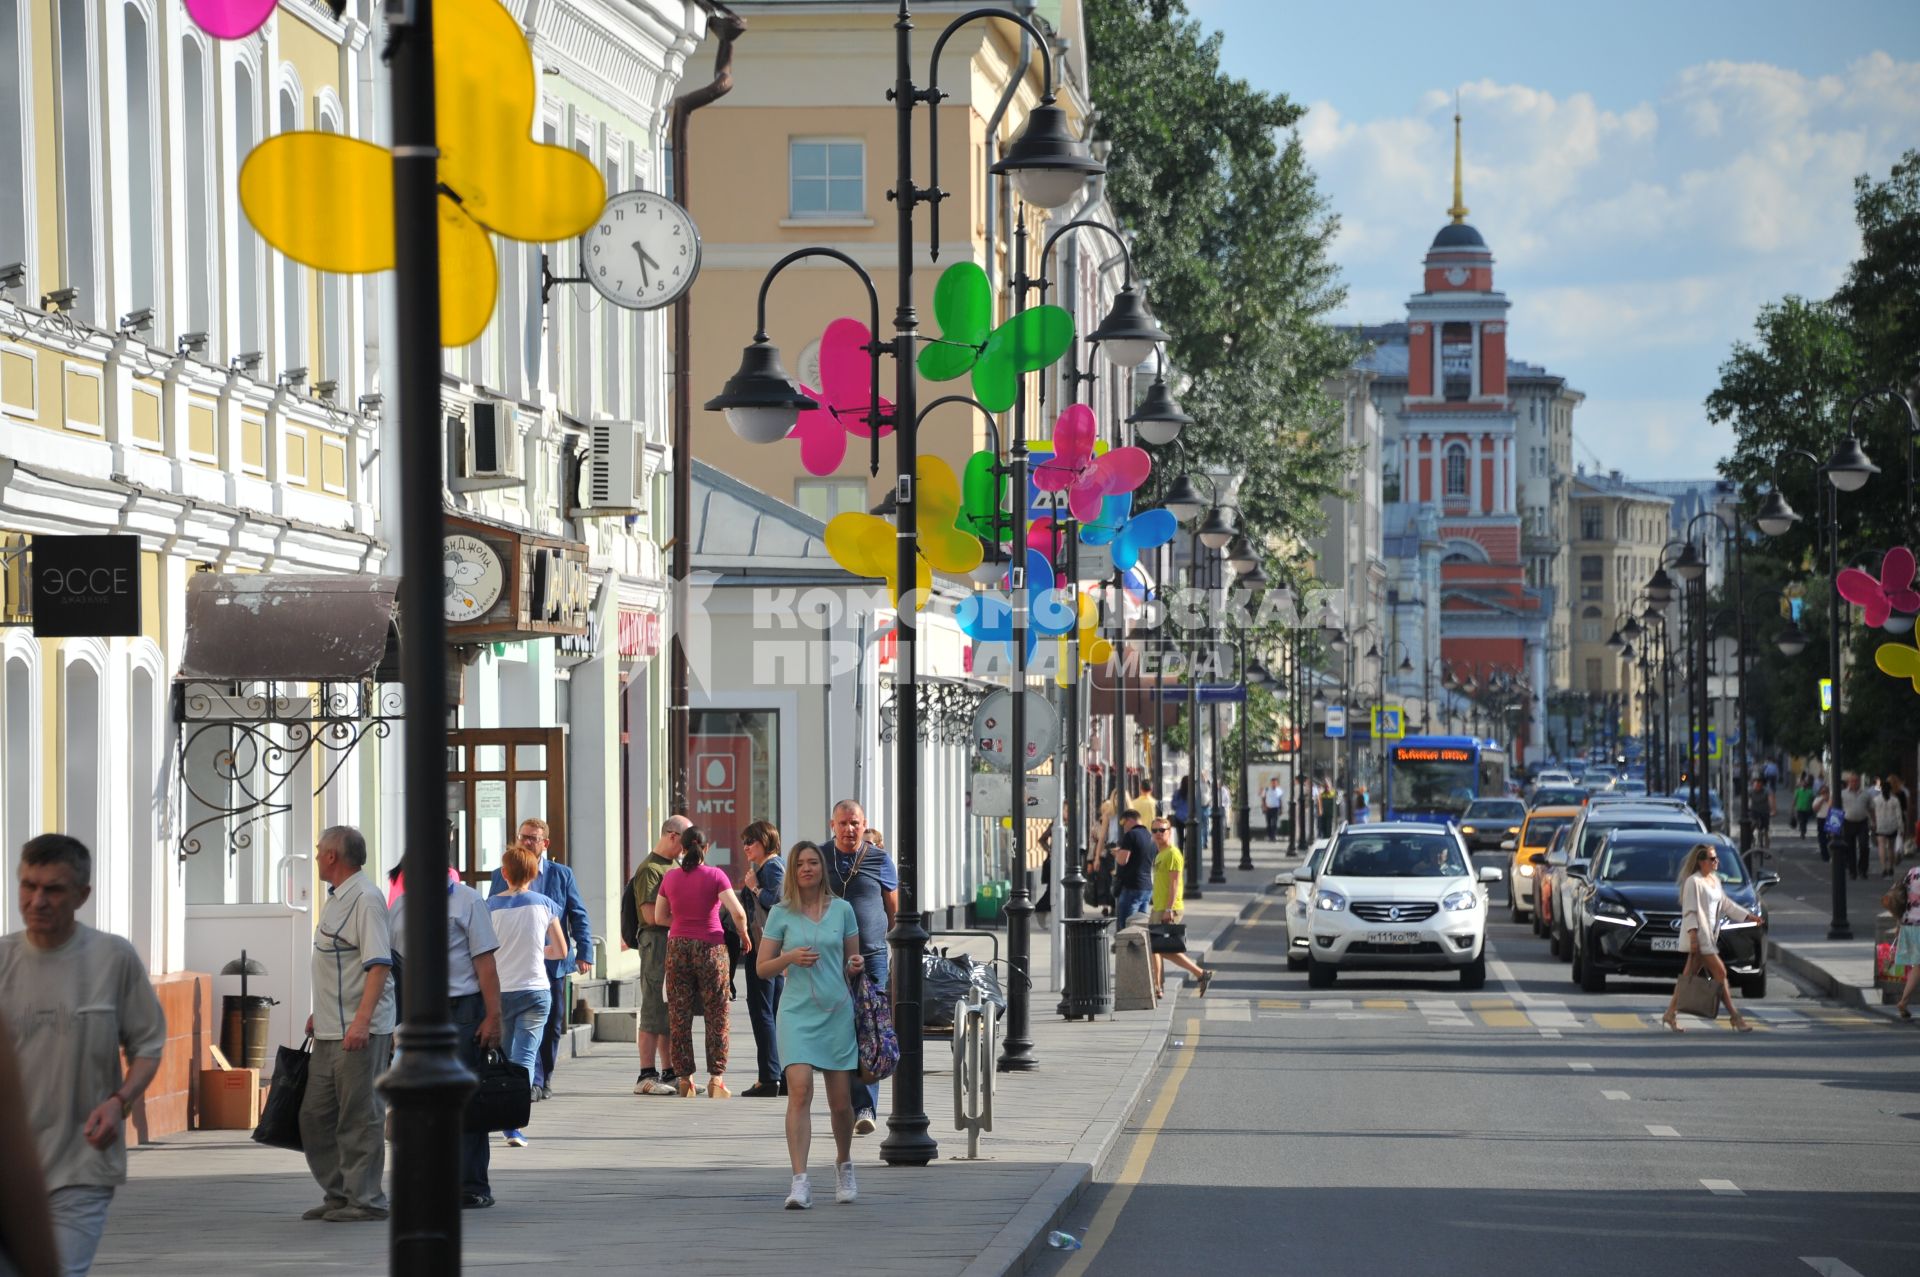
(729, 26)
(997, 215)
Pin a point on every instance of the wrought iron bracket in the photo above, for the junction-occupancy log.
(946, 712)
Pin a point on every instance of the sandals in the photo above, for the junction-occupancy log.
(1672, 1023)
(1740, 1024)
(1904, 1013)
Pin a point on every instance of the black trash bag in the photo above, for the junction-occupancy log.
(946, 980)
(280, 1118)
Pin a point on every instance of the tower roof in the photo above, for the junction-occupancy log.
(1458, 235)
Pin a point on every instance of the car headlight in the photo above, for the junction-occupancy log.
(1526, 871)
(1460, 901)
(1332, 901)
(1513, 829)
(1610, 911)
(1468, 829)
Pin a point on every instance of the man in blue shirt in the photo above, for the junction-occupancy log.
(556, 882)
(864, 876)
(765, 877)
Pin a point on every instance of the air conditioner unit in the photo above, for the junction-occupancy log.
(490, 450)
(615, 476)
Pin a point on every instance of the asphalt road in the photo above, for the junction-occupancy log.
(1398, 1125)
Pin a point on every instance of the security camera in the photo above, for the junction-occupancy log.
(369, 404)
(59, 299)
(247, 361)
(325, 389)
(191, 343)
(136, 321)
(13, 275)
(293, 377)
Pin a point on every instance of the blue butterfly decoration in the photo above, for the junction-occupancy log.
(987, 617)
(1128, 533)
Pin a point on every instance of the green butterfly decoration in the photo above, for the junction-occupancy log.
(968, 341)
(983, 499)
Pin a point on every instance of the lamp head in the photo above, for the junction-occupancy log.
(1775, 516)
(1183, 499)
(760, 400)
(1158, 420)
(1660, 588)
(1128, 335)
(1792, 640)
(1615, 641)
(1632, 629)
(1256, 580)
(1848, 469)
(1217, 528)
(1240, 556)
(1047, 164)
(1899, 623)
(1691, 565)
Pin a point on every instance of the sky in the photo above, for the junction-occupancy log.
(1648, 174)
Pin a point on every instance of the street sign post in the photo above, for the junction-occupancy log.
(993, 725)
(1389, 722)
(1336, 721)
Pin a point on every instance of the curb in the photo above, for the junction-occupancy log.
(1866, 997)
(1016, 1247)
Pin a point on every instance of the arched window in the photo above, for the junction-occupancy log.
(146, 893)
(1590, 624)
(14, 177)
(293, 293)
(76, 159)
(247, 273)
(1456, 470)
(20, 753)
(83, 766)
(142, 203)
(196, 181)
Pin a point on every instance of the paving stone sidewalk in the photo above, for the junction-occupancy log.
(613, 1182)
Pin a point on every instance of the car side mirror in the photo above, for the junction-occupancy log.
(1509, 845)
(1537, 858)
(1288, 880)
(1577, 868)
(1490, 873)
(1767, 880)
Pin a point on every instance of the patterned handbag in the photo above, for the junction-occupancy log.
(873, 1031)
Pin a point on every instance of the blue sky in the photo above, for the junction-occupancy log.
(1648, 174)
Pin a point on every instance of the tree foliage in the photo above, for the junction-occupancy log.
(1232, 240)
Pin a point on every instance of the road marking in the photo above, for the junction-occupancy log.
(1385, 1004)
(1331, 1004)
(1552, 1018)
(1618, 1020)
(1109, 1213)
(1665, 1131)
(1829, 1267)
(1581, 1068)
(1279, 1004)
(1224, 1010)
(1550, 1035)
(1506, 1019)
(1491, 1004)
(1722, 1187)
(1615, 1095)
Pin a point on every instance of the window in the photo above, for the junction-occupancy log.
(1590, 624)
(824, 498)
(333, 307)
(293, 309)
(198, 202)
(1456, 470)
(13, 131)
(826, 179)
(1593, 675)
(76, 161)
(1593, 567)
(1592, 523)
(141, 196)
(246, 336)
(1456, 359)
(611, 318)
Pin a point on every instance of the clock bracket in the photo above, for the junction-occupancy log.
(548, 279)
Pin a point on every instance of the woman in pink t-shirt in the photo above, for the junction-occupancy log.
(690, 900)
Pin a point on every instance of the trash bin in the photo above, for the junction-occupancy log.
(1089, 970)
(990, 900)
(245, 1023)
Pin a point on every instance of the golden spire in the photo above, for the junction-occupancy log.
(1459, 210)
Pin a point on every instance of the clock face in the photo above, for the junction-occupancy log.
(643, 253)
(475, 577)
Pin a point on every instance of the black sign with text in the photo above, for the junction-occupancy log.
(86, 586)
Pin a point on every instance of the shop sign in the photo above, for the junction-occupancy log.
(505, 585)
(722, 774)
(640, 634)
(86, 586)
(475, 577)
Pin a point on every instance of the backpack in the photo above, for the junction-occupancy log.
(879, 1046)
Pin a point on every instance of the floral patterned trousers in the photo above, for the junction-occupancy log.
(696, 984)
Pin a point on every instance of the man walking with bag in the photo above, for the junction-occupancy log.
(341, 1118)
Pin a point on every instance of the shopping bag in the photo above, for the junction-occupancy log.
(873, 1031)
(280, 1117)
(1836, 820)
(1167, 937)
(1698, 996)
(504, 1099)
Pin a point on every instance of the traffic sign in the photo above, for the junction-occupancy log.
(993, 726)
(1713, 742)
(991, 794)
(1336, 721)
(1389, 722)
(1826, 695)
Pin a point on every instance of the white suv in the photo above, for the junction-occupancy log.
(1398, 897)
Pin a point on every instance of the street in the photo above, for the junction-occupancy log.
(1397, 1125)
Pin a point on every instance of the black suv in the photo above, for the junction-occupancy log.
(1624, 910)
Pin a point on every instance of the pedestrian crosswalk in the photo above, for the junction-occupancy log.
(1535, 1014)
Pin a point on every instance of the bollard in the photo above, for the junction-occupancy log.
(1132, 970)
(973, 1028)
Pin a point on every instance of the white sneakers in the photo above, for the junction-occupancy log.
(864, 1122)
(845, 1190)
(800, 1196)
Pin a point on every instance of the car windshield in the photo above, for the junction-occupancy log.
(1423, 785)
(1496, 809)
(1540, 830)
(1596, 834)
(1565, 796)
(1629, 861)
(1396, 855)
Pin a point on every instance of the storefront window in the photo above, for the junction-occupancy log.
(733, 756)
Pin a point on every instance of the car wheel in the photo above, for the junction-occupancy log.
(1565, 951)
(1519, 914)
(1592, 979)
(1474, 974)
(1538, 928)
(1320, 975)
(1754, 986)
(1296, 961)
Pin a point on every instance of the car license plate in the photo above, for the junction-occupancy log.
(1666, 944)
(1393, 937)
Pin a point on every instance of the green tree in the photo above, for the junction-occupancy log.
(1233, 237)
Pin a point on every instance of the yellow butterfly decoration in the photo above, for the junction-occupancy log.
(864, 544)
(1900, 660)
(1094, 650)
(326, 201)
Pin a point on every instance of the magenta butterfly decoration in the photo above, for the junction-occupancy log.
(1088, 480)
(235, 19)
(1881, 598)
(846, 383)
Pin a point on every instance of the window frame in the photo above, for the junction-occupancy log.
(828, 179)
(1454, 452)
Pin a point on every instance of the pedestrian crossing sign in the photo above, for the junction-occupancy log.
(1389, 722)
(1713, 742)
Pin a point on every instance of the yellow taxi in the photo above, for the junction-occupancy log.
(1536, 832)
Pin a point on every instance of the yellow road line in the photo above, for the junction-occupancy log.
(1618, 1020)
(1506, 1019)
(1109, 1213)
(1385, 1004)
(1279, 1004)
(1253, 919)
(1492, 1004)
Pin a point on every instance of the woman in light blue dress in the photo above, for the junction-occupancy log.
(814, 1026)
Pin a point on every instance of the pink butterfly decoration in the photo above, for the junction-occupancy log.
(1892, 592)
(229, 19)
(846, 383)
(1088, 480)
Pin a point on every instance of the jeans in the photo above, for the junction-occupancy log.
(467, 1011)
(864, 1096)
(1273, 824)
(763, 1005)
(549, 1052)
(523, 1021)
(1127, 902)
(79, 1214)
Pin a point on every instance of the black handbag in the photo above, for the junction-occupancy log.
(504, 1099)
(1167, 937)
(280, 1117)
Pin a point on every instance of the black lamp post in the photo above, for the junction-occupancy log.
(1213, 532)
(1047, 167)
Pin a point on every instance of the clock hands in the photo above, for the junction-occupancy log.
(645, 261)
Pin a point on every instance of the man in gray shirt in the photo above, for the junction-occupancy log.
(74, 999)
(1856, 809)
(341, 1118)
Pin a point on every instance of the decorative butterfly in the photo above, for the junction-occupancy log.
(865, 544)
(968, 341)
(1902, 660)
(983, 505)
(236, 19)
(1880, 598)
(1129, 533)
(326, 201)
(987, 617)
(846, 383)
(1085, 478)
(1094, 650)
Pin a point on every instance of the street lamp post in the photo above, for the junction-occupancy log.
(1213, 532)
(1048, 168)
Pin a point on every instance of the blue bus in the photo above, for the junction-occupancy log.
(1435, 777)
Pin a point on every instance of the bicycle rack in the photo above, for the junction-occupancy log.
(973, 1028)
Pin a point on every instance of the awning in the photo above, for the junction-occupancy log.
(287, 628)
